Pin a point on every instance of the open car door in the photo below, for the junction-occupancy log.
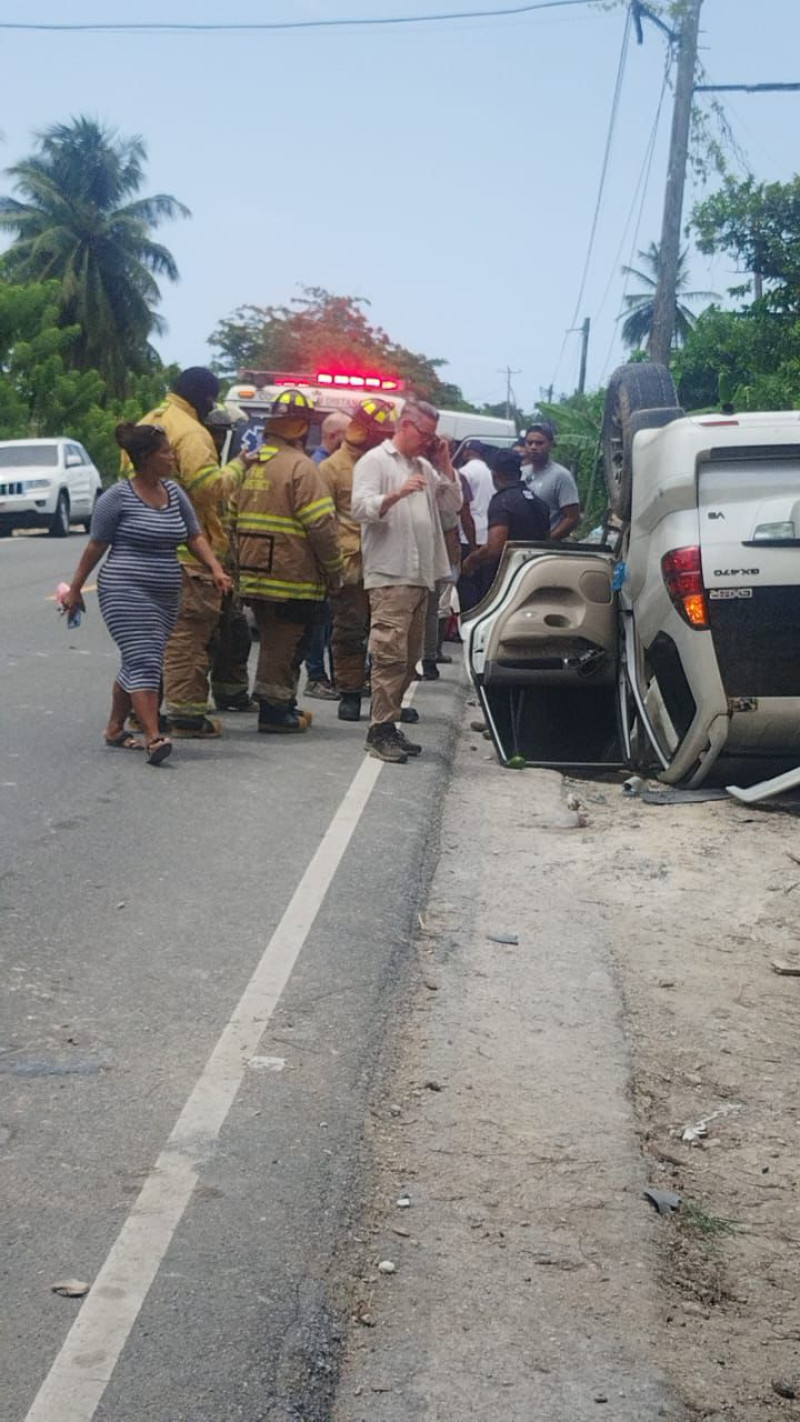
(542, 652)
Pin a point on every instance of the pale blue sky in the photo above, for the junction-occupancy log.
(447, 172)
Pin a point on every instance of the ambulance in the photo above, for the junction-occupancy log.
(250, 399)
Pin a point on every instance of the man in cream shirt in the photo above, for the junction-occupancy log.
(400, 491)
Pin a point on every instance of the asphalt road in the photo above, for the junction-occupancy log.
(206, 1157)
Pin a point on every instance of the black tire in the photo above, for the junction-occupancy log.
(59, 523)
(87, 522)
(644, 393)
(6, 529)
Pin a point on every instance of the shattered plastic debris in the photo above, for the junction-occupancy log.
(512, 938)
(786, 970)
(70, 1288)
(267, 1063)
(676, 796)
(665, 1201)
(692, 1135)
(387, 1267)
(404, 1202)
(633, 785)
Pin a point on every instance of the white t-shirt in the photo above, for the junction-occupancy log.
(479, 477)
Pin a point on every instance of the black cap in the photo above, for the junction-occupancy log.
(545, 427)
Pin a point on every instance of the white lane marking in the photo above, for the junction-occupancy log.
(81, 1372)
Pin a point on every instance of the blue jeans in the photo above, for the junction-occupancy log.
(320, 646)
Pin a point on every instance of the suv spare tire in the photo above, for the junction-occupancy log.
(643, 394)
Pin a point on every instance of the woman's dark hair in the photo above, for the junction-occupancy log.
(139, 441)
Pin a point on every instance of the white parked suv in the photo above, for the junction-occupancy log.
(675, 644)
(46, 483)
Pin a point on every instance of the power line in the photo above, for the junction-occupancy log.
(644, 180)
(644, 174)
(218, 27)
(612, 124)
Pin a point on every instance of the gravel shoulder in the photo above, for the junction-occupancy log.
(527, 1259)
(534, 1089)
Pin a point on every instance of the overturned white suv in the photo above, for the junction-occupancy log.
(677, 642)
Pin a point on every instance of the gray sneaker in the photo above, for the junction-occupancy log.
(383, 742)
(321, 691)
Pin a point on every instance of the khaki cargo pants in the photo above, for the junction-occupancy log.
(396, 635)
(350, 609)
(187, 659)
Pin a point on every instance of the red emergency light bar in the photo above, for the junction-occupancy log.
(359, 382)
(323, 377)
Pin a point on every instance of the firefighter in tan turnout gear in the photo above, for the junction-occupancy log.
(188, 656)
(370, 425)
(288, 556)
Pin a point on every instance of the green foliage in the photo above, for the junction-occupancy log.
(80, 223)
(758, 224)
(637, 327)
(320, 331)
(748, 359)
(40, 394)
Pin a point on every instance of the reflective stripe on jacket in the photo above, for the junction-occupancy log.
(284, 527)
(198, 471)
(337, 471)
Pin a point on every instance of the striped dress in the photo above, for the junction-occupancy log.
(139, 585)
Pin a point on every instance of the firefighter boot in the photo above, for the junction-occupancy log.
(283, 720)
(349, 706)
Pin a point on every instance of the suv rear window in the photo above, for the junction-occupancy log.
(28, 456)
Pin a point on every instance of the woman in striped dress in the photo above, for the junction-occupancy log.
(141, 521)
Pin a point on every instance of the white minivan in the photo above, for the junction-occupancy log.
(46, 483)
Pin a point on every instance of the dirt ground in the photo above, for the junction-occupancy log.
(536, 1088)
(699, 902)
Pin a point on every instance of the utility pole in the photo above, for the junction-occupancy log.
(508, 372)
(670, 248)
(585, 329)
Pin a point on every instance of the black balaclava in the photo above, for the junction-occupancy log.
(199, 386)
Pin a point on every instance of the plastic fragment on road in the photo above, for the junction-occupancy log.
(404, 1202)
(786, 970)
(267, 1063)
(676, 796)
(692, 1135)
(632, 786)
(753, 794)
(387, 1267)
(512, 938)
(665, 1201)
(70, 1288)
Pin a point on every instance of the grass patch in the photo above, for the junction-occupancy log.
(695, 1217)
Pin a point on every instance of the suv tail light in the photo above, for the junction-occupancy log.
(682, 572)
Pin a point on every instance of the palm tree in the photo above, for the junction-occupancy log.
(82, 225)
(638, 325)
